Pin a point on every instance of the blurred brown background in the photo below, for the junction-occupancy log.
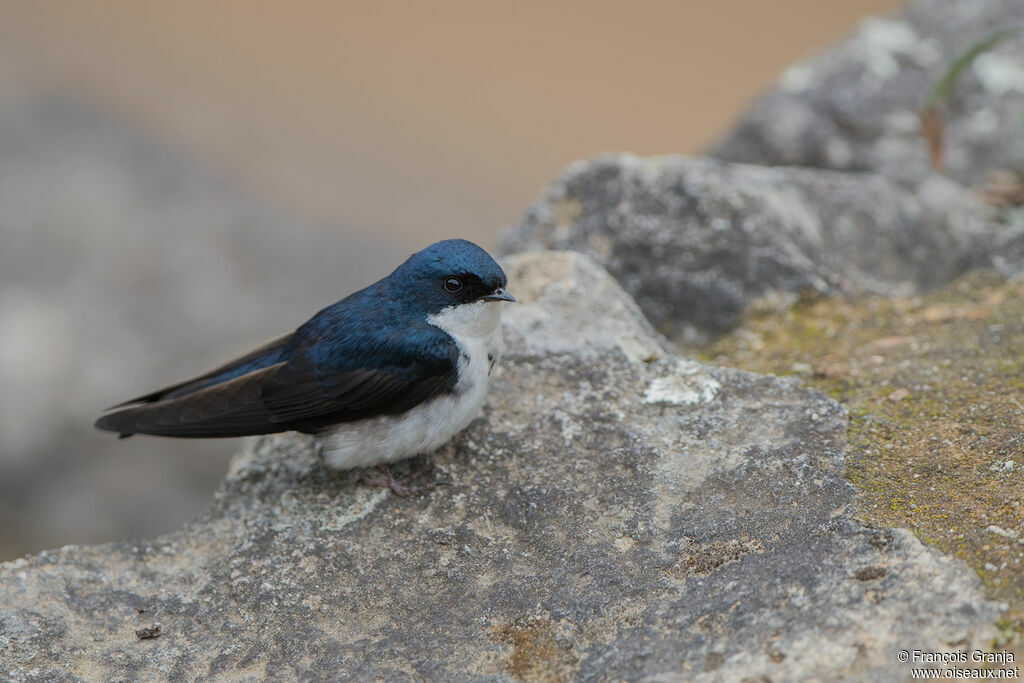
(179, 181)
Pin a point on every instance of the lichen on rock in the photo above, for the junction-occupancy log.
(933, 385)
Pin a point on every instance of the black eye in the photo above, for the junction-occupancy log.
(453, 284)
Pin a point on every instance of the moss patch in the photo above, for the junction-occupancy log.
(935, 391)
(538, 654)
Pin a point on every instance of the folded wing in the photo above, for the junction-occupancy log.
(249, 396)
(231, 408)
(264, 356)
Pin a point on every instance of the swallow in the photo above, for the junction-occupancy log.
(391, 371)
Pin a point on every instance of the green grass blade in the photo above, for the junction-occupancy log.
(942, 89)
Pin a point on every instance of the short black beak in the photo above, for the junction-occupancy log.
(498, 295)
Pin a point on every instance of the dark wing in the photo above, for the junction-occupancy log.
(231, 408)
(299, 394)
(258, 358)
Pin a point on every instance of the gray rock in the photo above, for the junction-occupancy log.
(695, 240)
(855, 106)
(606, 518)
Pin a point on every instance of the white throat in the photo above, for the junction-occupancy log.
(465, 322)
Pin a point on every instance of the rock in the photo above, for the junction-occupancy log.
(606, 518)
(695, 241)
(932, 387)
(855, 106)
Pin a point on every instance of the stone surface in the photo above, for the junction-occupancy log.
(933, 387)
(607, 517)
(855, 106)
(125, 264)
(695, 241)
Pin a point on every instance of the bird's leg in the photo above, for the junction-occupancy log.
(400, 486)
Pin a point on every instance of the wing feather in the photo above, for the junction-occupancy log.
(314, 396)
(295, 393)
(231, 408)
(262, 356)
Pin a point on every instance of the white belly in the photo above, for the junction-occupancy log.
(430, 424)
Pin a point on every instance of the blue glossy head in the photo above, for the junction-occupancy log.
(449, 273)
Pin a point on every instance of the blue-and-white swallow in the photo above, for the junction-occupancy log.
(391, 371)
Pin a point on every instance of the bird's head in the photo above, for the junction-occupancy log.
(455, 276)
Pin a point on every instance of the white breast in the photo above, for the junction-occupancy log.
(476, 328)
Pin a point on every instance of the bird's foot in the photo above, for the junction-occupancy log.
(402, 486)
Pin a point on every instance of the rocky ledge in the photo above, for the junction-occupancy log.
(696, 240)
(616, 512)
